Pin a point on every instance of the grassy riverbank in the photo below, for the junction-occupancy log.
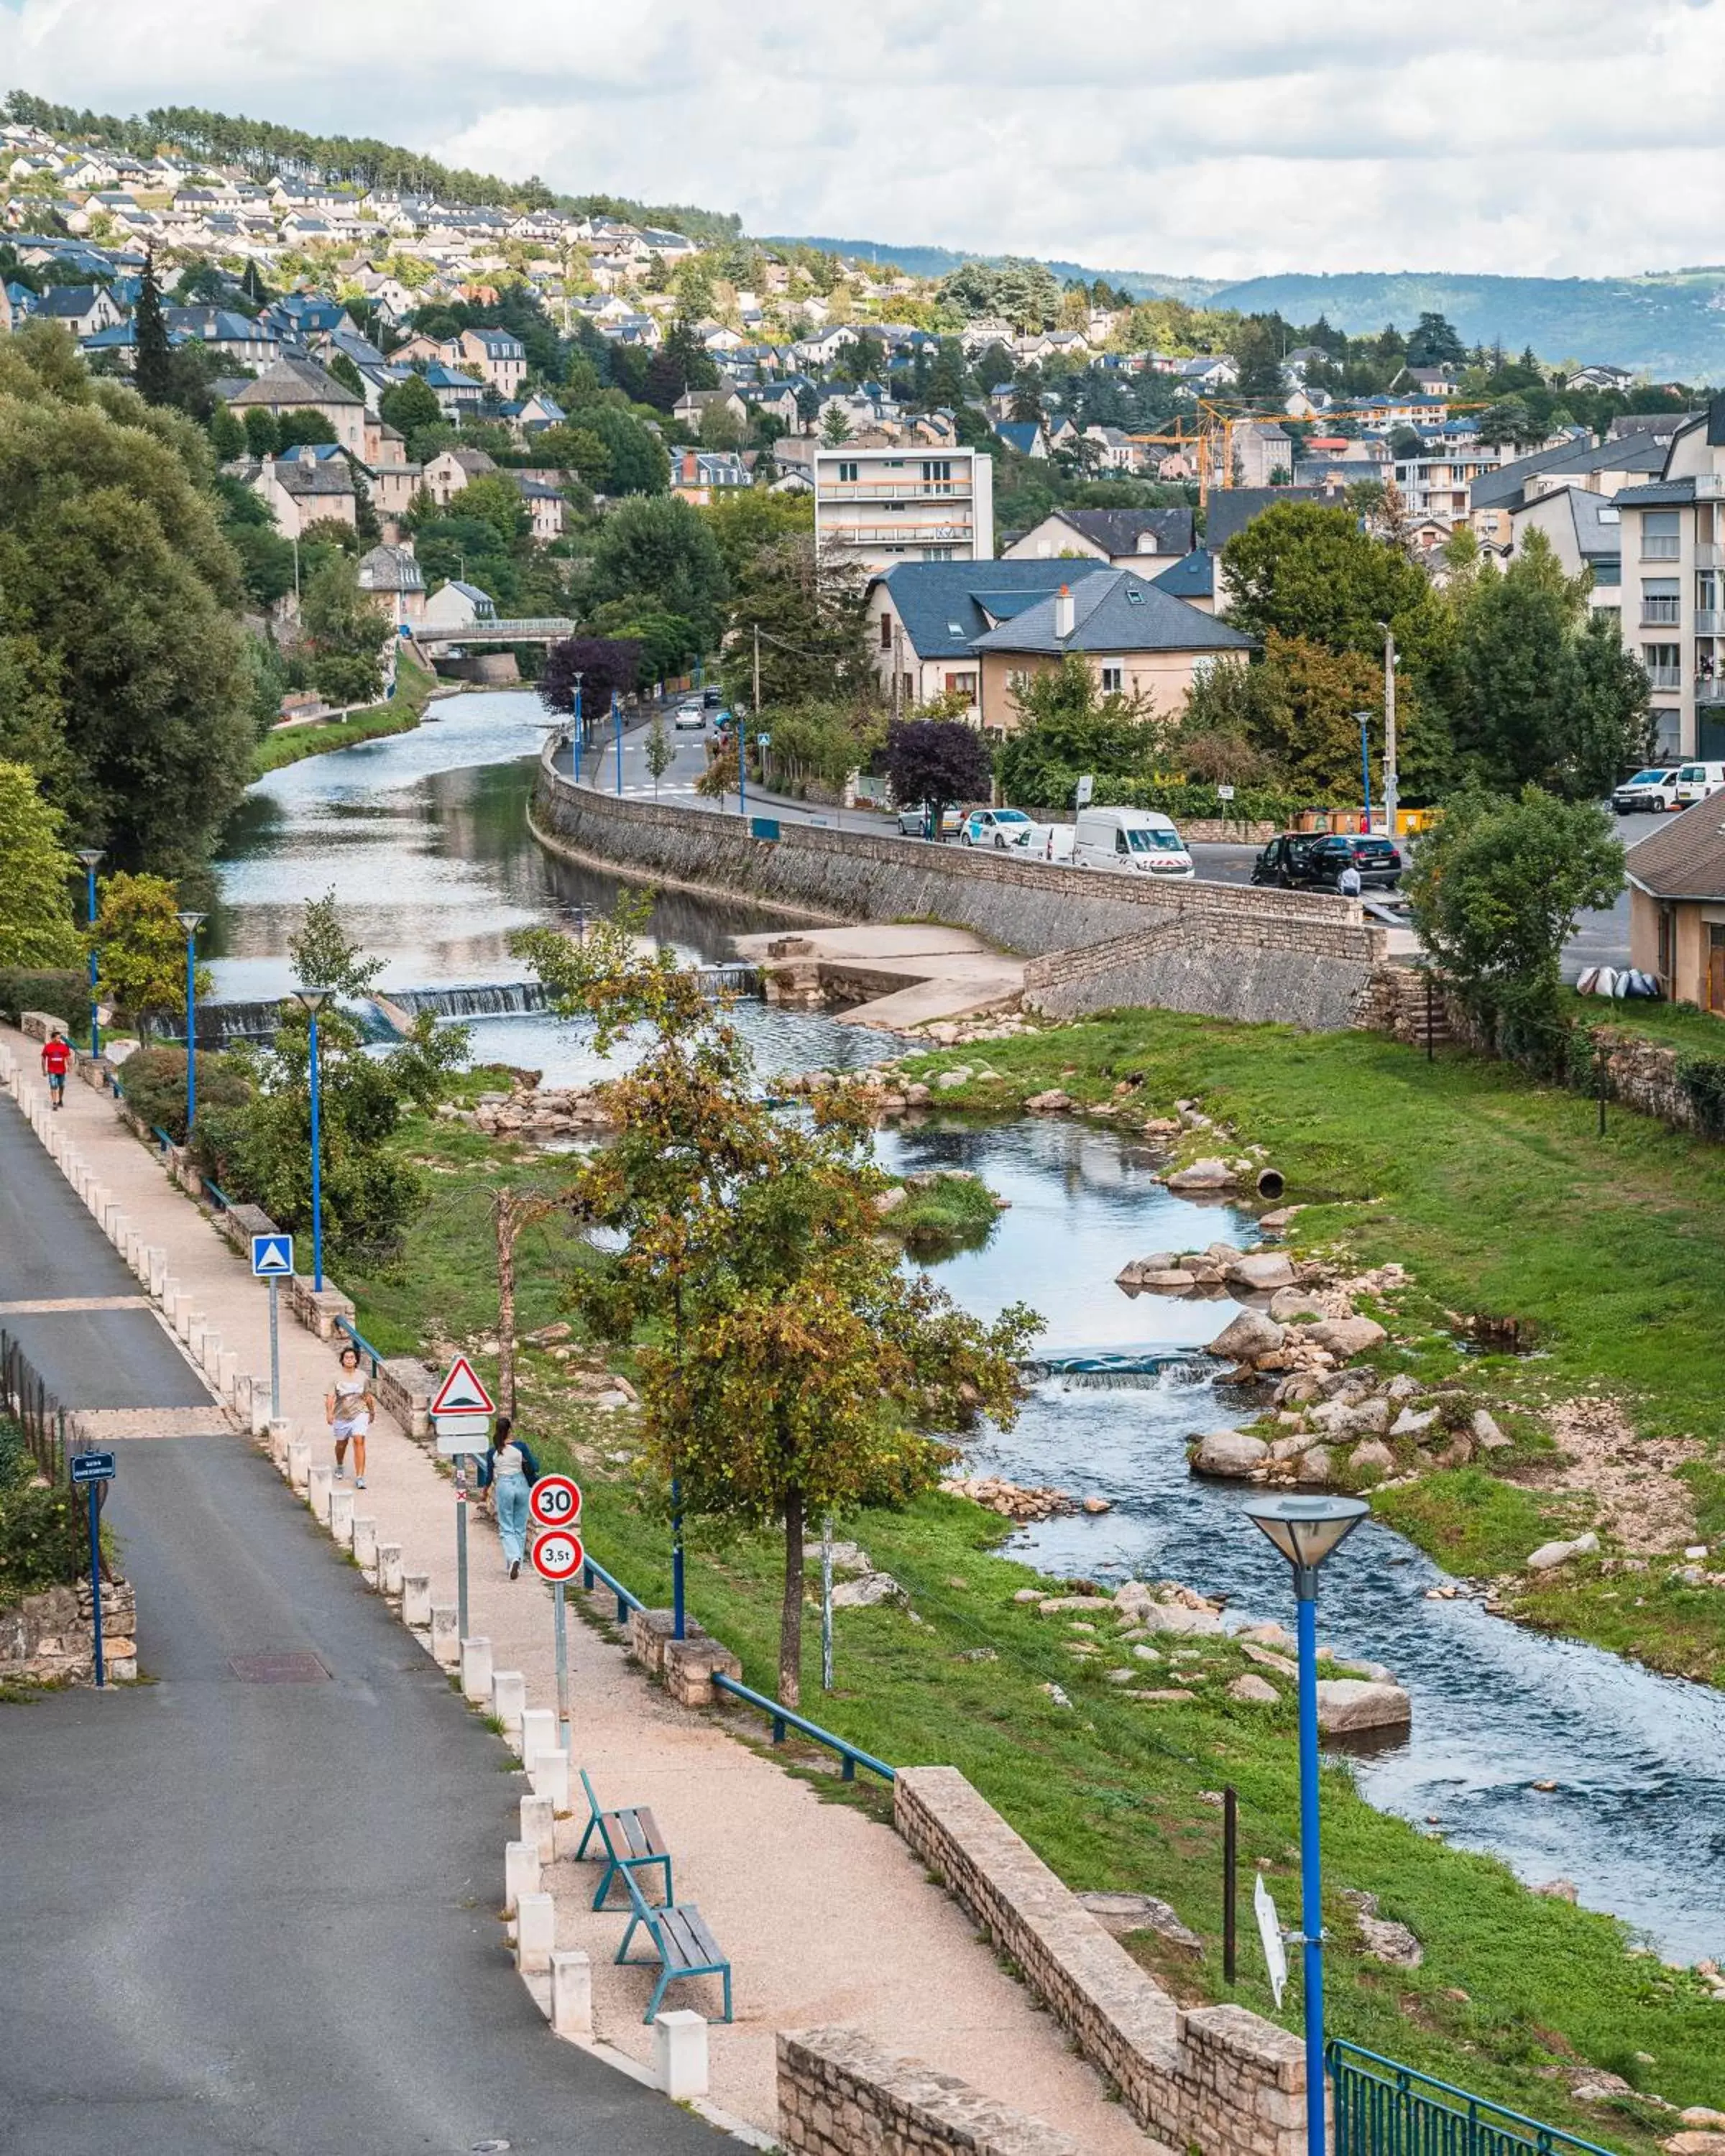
(403, 711)
(1516, 1992)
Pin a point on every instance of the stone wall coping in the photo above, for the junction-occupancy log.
(865, 2099)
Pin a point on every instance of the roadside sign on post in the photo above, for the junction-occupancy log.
(462, 1410)
(1086, 787)
(555, 1502)
(90, 1471)
(91, 1467)
(1275, 1956)
(558, 1555)
(272, 1257)
(1225, 794)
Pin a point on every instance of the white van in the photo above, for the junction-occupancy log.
(1130, 839)
(1696, 780)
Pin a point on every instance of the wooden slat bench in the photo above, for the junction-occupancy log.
(630, 1838)
(685, 1947)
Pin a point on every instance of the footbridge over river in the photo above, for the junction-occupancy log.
(533, 629)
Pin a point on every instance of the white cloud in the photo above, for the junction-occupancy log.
(1555, 136)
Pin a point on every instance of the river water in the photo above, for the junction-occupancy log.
(424, 840)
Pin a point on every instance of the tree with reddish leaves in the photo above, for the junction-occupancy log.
(939, 763)
(604, 665)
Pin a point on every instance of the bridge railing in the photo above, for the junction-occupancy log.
(1383, 2108)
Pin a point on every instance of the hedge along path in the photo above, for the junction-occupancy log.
(826, 1917)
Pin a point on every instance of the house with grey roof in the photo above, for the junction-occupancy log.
(1677, 882)
(1146, 540)
(297, 385)
(1584, 530)
(923, 619)
(393, 576)
(302, 486)
(1673, 612)
(1602, 467)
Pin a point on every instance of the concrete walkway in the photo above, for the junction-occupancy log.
(912, 973)
(826, 1914)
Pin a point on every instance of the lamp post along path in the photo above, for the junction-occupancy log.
(1308, 1529)
(191, 922)
(91, 856)
(314, 1000)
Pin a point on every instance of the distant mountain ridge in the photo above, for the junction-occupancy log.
(1668, 323)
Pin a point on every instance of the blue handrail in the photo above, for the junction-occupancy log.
(591, 1569)
(1383, 2108)
(224, 1201)
(157, 1132)
(852, 1756)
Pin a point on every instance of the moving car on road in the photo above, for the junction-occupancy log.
(994, 827)
(1652, 790)
(1135, 840)
(690, 715)
(1313, 861)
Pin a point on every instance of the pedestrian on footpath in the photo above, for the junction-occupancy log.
(348, 1408)
(1348, 883)
(509, 1471)
(56, 1062)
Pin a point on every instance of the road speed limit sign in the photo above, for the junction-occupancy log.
(556, 1501)
(558, 1556)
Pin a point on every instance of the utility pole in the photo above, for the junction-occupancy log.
(898, 668)
(1391, 795)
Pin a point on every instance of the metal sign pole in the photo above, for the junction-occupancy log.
(96, 1580)
(461, 1546)
(826, 1604)
(274, 1355)
(561, 1624)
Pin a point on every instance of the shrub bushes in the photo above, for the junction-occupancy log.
(43, 1533)
(153, 1080)
(65, 994)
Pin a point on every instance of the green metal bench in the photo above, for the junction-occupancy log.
(630, 1839)
(685, 1945)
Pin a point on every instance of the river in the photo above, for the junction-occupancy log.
(422, 838)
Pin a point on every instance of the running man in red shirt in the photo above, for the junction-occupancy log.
(57, 1061)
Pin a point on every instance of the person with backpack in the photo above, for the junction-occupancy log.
(509, 1471)
(56, 1062)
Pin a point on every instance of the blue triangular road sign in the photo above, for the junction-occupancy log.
(272, 1257)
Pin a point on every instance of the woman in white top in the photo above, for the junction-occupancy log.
(348, 1409)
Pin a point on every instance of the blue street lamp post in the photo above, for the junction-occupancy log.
(577, 725)
(1307, 1530)
(617, 719)
(89, 856)
(314, 999)
(191, 922)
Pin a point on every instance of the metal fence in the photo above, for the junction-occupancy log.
(1386, 2109)
(49, 1430)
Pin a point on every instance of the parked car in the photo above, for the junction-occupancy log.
(1654, 789)
(913, 822)
(1130, 839)
(1696, 780)
(1045, 842)
(993, 826)
(688, 717)
(1313, 861)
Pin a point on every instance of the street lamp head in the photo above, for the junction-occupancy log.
(88, 856)
(1307, 1530)
(191, 922)
(314, 999)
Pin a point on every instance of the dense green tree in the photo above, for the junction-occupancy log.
(1508, 423)
(1306, 570)
(637, 458)
(226, 433)
(497, 501)
(141, 947)
(262, 438)
(36, 927)
(152, 364)
(410, 407)
(810, 610)
(1257, 346)
(744, 519)
(575, 450)
(346, 630)
(1066, 728)
(1434, 342)
(343, 370)
(661, 552)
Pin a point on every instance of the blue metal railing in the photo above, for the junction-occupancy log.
(781, 1717)
(1386, 2109)
(592, 1570)
(157, 1132)
(374, 1354)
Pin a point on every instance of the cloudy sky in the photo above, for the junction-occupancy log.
(1562, 137)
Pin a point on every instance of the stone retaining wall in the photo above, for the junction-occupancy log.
(840, 2094)
(1022, 906)
(51, 1636)
(1217, 2078)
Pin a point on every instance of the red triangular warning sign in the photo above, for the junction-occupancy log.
(461, 1392)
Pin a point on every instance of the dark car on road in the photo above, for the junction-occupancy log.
(1314, 860)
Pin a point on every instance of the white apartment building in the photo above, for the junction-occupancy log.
(1673, 535)
(908, 501)
(1439, 480)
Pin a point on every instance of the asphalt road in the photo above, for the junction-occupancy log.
(260, 1919)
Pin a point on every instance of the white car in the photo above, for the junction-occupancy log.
(1696, 781)
(1652, 791)
(994, 827)
(1044, 842)
(689, 717)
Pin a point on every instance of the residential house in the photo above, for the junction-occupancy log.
(1676, 881)
(1262, 452)
(236, 336)
(692, 407)
(82, 309)
(450, 470)
(1208, 376)
(422, 350)
(1439, 381)
(775, 400)
(1192, 578)
(876, 506)
(1600, 378)
(459, 396)
(531, 415)
(1144, 540)
(546, 505)
(697, 474)
(1602, 468)
(456, 606)
(1673, 615)
(297, 385)
(392, 575)
(500, 357)
(304, 487)
(1137, 640)
(924, 618)
(1025, 436)
(1437, 479)
(1584, 530)
(822, 349)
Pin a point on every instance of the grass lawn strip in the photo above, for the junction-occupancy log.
(285, 744)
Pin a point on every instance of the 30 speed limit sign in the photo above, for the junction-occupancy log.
(555, 1502)
(558, 1556)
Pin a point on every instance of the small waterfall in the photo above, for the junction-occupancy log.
(220, 1024)
(1151, 1369)
(482, 999)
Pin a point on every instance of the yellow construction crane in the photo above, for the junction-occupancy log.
(1210, 436)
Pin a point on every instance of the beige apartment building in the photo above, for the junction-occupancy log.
(1672, 532)
(907, 502)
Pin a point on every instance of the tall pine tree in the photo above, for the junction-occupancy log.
(153, 358)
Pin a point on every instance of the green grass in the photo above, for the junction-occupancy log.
(954, 1212)
(1683, 1026)
(400, 715)
(1515, 1987)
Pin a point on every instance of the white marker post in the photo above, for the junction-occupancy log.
(554, 1505)
(461, 1415)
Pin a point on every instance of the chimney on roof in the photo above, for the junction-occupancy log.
(1064, 613)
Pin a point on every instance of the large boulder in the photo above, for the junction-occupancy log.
(1199, 1175)
(1413, 1422)
(1486, 1434)
(868, 1592)
(1381, 1936)
(1352, 1703)
(1251, 1334)
(1135, 1273)
(1176, 1617)
(1347, 1335)
(1372, 1458)
(1121, 1913)
(1291, 1302)
(1254, 1690)
(1259, 1272)
(1054, 1102)
(1230, 1454)
(1549, 1555)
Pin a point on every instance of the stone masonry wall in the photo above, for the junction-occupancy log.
(52, 1635)
(1217, 2078)
(1024, 906)
(840, 2095)
(1312, 974)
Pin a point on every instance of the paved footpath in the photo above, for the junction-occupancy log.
(826, 1917)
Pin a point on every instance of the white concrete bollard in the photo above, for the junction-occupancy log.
(319, 1484)
(114, 1225)
(195, 1331)
(182, 1316)
(209, 1356)
(416, 1600)
(342, 1518)
(134, 1252)
(520, 1874)
(535, 1930)
(389, 1574)
(539, 1732)
(258, 1405)
(476, 1669)
(158, 1274)
(572, 1994)
(445, 1646)
(680, 2053)
(539, 1827)
(365, 1546)
(549, 1774)
(228, 1381)
(509, 1700)
(278, 1433)
(299, 1465)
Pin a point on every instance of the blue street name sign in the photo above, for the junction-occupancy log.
(92, 1467)
(272, 1257)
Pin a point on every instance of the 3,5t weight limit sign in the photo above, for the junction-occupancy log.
(555, 1502)
(558, 1556)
